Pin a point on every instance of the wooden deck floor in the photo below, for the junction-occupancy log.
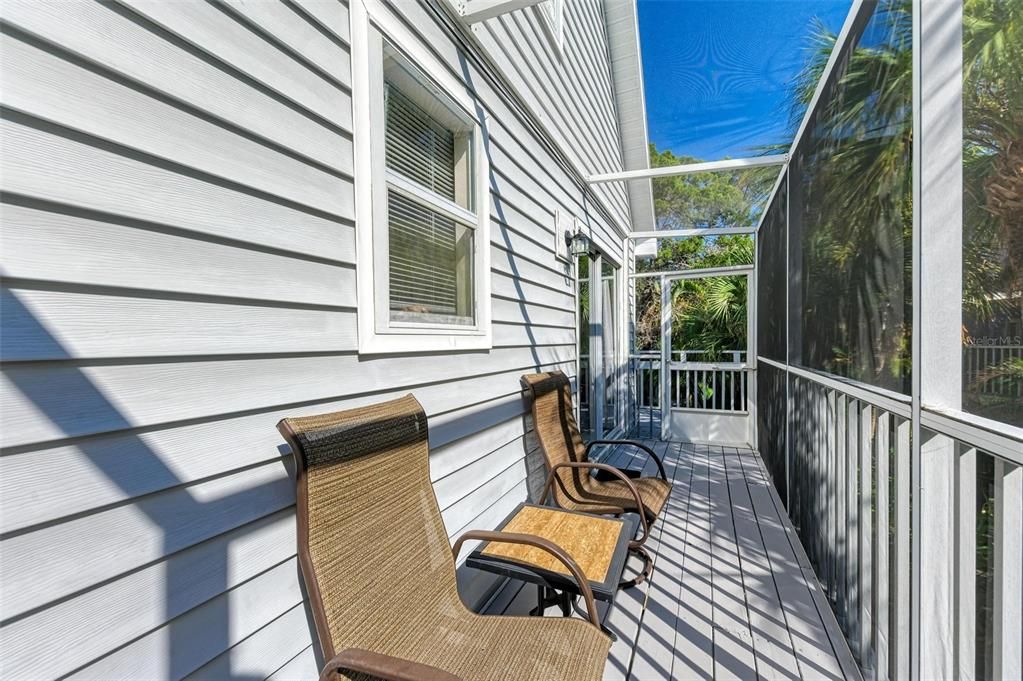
(732, 595)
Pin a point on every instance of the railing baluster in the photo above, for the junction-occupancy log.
(841, 517)
(742, 390)
(883, 559)
(900, 643)
(852, 531)
(820, 398)
(1008, 598)
(719, 377)
(829, 485)
(692, 390)
(866, 535)
(966, 559)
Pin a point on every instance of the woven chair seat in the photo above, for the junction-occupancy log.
(500, 648)
(614, 494)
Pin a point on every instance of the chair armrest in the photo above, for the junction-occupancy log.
(631, 443)
(551, 477)
(546, 545)
(381, 666)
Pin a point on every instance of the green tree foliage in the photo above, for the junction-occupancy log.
(718, 199)
(707, 314)
(993, 155)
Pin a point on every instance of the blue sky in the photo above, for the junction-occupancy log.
(717, 72)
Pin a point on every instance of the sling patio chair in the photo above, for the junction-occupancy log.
(613, 491)
(380, 573)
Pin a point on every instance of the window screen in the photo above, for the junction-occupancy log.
(851, 212)
(772, 271)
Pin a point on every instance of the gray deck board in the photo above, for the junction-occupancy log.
(730, 598)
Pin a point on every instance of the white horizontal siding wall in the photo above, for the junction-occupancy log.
(570, 89)
(178, 274)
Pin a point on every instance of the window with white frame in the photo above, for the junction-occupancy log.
(422, 182)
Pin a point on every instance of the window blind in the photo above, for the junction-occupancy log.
(430, 253)
(418, 146)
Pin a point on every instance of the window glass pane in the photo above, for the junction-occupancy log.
(430, 264)
(646, 355)
(419, 147)
(772, 280)
(609, 337)
(647, 329)
(429, 139)
(993, 210)
(850, 197)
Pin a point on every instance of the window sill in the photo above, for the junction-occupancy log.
(382, 344)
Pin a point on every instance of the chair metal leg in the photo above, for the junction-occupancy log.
(645, 573)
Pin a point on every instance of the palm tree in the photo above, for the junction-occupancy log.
(993, 134)
(853, 222)
(858, 211)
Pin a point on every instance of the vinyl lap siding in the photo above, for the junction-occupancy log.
(570, 90)
(178, 274)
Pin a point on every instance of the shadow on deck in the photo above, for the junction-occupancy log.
(732, 596)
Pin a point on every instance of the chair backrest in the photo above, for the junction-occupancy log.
(554, 423)
(372, 545)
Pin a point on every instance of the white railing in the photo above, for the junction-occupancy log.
(849, 474)
(708, 386)
(692, 356)
(981, 363)
(694, 386)
(645, 379)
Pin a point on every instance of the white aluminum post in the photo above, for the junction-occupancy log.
(665, 356)
(690, 169)
(937, 314)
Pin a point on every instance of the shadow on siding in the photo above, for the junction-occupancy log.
(180, 642)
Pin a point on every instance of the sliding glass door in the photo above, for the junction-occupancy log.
(610, 352)
(600, 364)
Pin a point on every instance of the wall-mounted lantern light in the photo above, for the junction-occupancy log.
(579, 244)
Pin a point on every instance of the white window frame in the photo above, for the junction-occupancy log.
(372, 21)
